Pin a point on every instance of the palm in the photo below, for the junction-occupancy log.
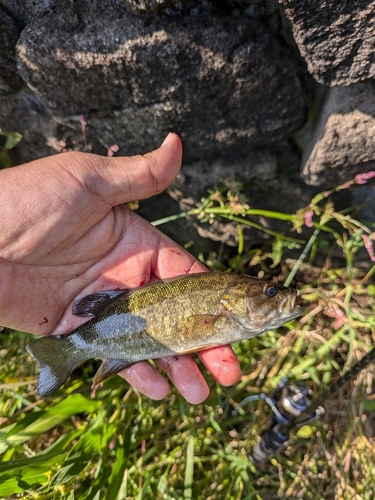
(69, 234)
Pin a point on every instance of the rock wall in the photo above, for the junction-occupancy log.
(277, 95)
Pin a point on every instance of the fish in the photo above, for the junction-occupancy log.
(175, 316)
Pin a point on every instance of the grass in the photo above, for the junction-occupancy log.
(120, 445)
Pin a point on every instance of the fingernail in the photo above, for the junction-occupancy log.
(167, 139)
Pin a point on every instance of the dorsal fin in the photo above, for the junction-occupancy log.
(91, 304)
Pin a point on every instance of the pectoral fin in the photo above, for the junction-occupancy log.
(202, 330)
(91, 304)
(108, 368)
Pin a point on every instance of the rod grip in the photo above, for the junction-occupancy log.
(270, 441)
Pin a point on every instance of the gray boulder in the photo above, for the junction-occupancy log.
(9, 33)
(342, 143)
(223, 83)
(335, 37)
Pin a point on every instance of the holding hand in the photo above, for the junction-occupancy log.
(65, 232)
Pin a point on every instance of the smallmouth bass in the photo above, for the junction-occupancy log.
(179, 315)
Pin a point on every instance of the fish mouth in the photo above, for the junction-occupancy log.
(289, 308)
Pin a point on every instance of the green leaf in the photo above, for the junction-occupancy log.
(30, 426)
(21, 475)
(118, 468)
(14, 465)
(94, 442)
(12, 139)
(63, 442)
(22, 424)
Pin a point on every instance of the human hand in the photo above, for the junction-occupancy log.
(65, 232)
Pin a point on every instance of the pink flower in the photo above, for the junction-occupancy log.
(112, 150)
(369, 246)
(363, 178)
(308, 218)
(338, 315)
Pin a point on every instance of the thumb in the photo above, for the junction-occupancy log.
(121, 179)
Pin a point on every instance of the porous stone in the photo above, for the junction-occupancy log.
(363, 198)
(141, 6)
(24, 113)
(24, 11)
(336, 38)
(223, 83)
(9, 32)
(343, 140)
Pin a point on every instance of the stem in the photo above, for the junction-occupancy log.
(368, 275)
(302, 257)
(270, 214)
(170, 218)
(258, 226)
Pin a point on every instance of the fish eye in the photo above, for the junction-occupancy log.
(270, 290)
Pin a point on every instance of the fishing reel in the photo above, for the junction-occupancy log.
(293, 406)
(288, 402)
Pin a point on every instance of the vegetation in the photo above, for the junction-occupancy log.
(8, 140)
(117, 444)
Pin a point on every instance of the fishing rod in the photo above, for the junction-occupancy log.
(293, 407)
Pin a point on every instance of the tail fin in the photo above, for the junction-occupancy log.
(55, 365)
